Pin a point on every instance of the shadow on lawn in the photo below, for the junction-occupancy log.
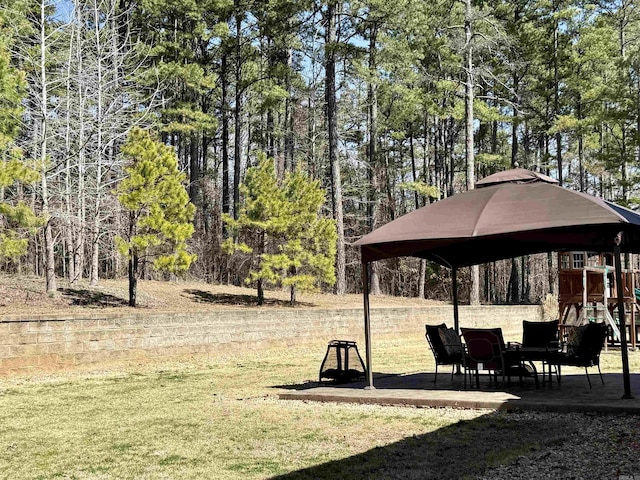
(92, 298)
(462, 450)
(201, 296)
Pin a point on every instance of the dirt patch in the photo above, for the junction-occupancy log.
(21, 294)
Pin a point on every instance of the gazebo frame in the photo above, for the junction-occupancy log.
(517, 212)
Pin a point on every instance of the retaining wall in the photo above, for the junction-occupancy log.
(39, 343)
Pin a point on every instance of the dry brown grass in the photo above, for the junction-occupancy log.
(26, 295)
(218, 417)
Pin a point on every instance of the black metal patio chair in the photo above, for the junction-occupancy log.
(445, 345)
(582, 349)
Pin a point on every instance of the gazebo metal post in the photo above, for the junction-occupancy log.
(621, 316)
(367, 324)
(456, 318)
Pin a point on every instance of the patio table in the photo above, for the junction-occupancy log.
(534, 354)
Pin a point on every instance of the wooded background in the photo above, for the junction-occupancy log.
(392, 105)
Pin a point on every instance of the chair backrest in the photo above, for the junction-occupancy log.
(539, 334)
(484, 345)
(435, 341)
(497, 332)
(586, 342)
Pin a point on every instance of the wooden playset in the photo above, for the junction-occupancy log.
(588, 292)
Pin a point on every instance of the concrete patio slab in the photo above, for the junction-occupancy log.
(418, 389)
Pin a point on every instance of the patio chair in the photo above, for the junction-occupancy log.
(582, 349)
(445, 345)
(539, 334)
(485, 350)
(543, 336)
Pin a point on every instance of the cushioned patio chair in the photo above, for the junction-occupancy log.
(445, 345)
(582, 349)
(485, 350)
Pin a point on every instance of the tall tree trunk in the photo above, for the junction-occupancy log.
(373, 160)
(332, 130)
(451, 145)
(95, 231)
(69, 224)
(556, 89)
(513, 290)
(260, 283)
(80, 223)
(49, 258)
(416, 198)
(288, 118)
(237, 140)
(516, 84)
(134, 263)
(133, 279)
(474, 294)
(194, 170)
(224, 82)
(580, 144)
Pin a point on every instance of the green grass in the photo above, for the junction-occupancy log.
(219, 417)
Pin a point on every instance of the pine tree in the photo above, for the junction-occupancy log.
(160, 214)
(281, 228)
(17, 219)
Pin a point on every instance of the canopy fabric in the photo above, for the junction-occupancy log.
(517, 175)
(504, 220)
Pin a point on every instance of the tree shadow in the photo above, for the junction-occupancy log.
(462, 450)
(92, 298)
(202, 296)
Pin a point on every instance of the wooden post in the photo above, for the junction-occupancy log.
(605, 297)
(632, 326)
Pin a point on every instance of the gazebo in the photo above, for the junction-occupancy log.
(511, 213)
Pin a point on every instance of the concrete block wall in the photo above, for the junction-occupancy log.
(40, 343)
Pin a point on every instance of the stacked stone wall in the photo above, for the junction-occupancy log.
(40, 343)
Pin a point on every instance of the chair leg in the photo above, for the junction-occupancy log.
(535, 374)
(548, 366)
(520, 370)
(435, 378)
(600, 373)
(453, 369)
(559, 373)
(588, 379)
(477, 377)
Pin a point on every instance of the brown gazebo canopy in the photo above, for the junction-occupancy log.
(511, 213)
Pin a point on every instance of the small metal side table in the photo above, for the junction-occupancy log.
(342, 362)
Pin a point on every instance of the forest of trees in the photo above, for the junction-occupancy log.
(388, 105)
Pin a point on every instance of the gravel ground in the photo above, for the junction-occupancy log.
(593, 446)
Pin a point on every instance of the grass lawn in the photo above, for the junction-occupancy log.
(219, 418)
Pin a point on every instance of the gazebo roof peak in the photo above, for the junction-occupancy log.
(516, 175)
